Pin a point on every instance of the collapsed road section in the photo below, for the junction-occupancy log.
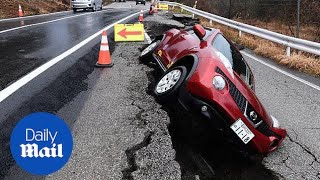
(200, 151)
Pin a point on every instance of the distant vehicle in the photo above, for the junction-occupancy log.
(86, 5)
(120, 0)
(141, 2)
(208, 76)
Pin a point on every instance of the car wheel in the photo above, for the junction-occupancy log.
(94, 8)
(101, 7)
(168, 86)
(74, 10)
(146, 54)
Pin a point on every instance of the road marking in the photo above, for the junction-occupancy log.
(282, 71)
(27, 78)
(46, 22)
(147, 38)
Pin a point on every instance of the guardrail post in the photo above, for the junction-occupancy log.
(210, 22)
(240, 33)
(172, 7)
(195, 6)
(288, 51)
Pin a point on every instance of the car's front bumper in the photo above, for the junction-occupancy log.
(81, 5)
(266, 138)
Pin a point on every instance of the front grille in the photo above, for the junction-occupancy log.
(265, 129)
(238, 98)
(241, 101)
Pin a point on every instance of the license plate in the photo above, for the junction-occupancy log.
(242, 131)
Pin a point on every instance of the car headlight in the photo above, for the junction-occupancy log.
(219, 83)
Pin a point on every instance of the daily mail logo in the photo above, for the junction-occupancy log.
(32, 150)
(41, 143)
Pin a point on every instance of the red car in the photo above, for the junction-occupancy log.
(208, 76)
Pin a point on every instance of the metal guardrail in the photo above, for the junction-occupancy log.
(289, 42)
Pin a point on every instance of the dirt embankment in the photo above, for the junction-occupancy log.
(9, 8)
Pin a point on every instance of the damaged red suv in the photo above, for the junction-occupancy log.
(209, 77)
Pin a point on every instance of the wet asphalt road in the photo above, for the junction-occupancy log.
(23, 50)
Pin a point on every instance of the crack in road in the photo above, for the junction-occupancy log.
(130, 153)
(284, 161)
(307, 150)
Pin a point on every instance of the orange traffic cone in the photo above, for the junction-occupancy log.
(104, 54)
(141, 16)
(20, 13)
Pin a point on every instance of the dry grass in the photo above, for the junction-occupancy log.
(303, 62)
(307, 31)
(9, 8)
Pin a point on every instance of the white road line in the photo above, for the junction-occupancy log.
(8, 30)
(282, 71)
(147, 38)
(27, 78)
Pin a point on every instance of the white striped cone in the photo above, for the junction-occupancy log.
(104, 54)
(20, 13)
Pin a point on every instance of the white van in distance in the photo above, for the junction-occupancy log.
(86, 4)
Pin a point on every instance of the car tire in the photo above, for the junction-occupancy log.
(94, 8)
(74, 10)
(169, 84)
(146, 54)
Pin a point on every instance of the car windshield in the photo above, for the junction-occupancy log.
(229, 52)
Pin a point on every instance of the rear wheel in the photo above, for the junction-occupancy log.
(74, 10)
(168, 86)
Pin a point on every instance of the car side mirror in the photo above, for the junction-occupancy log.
(199, 31)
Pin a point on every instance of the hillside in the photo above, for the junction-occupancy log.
(275, 15)
(9, 8)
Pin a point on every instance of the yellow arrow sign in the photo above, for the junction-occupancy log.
(164, 7)
(128, 32)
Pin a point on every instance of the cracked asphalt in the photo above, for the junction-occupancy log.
(120, 132)
(296, 105)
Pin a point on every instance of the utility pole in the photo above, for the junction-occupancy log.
(298, 19)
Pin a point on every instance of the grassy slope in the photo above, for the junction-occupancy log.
(9, 8)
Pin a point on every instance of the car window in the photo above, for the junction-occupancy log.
(224, 47)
